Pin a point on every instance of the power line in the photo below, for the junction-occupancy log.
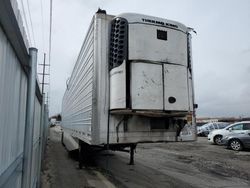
(50, 31)
(50, 41)
(41, 5)
(31, 22)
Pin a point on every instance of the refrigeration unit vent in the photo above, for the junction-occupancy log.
(118, 42)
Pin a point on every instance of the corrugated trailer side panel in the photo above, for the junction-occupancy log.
(85, 104)
(77, 100)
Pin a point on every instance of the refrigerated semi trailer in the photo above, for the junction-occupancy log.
(132, 83)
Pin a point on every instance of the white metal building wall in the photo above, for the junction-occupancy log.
(14, 68)
(13, 94)
(36, 143)
(36, 132)
(15, 180)
(13, 101)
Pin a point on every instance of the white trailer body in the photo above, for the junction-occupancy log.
(132, 82)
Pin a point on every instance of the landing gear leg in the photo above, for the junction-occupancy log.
(83, 154)
(62, 138)
(132, 151)
(80, 160)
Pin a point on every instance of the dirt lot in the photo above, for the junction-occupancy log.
(61, 171)
(189, 164)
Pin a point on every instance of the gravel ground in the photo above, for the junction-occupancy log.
(61, 171)
(180, 164)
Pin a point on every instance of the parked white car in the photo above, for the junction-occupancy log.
(215, 136)
(205, 129)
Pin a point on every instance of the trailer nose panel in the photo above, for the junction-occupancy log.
(155, 43)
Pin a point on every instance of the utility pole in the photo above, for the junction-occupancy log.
(44, 57)
(43, 73)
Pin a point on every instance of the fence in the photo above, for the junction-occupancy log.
(23, 115)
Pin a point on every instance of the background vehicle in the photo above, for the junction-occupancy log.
(132, 83)
(205, 129)
(237, 142)
(215, 136)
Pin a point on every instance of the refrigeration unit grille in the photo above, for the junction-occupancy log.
(118, 42)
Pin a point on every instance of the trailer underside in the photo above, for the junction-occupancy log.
(87, 151)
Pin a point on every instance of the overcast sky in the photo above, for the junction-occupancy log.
(221, 48)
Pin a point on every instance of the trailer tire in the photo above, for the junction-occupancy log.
(80, 164)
